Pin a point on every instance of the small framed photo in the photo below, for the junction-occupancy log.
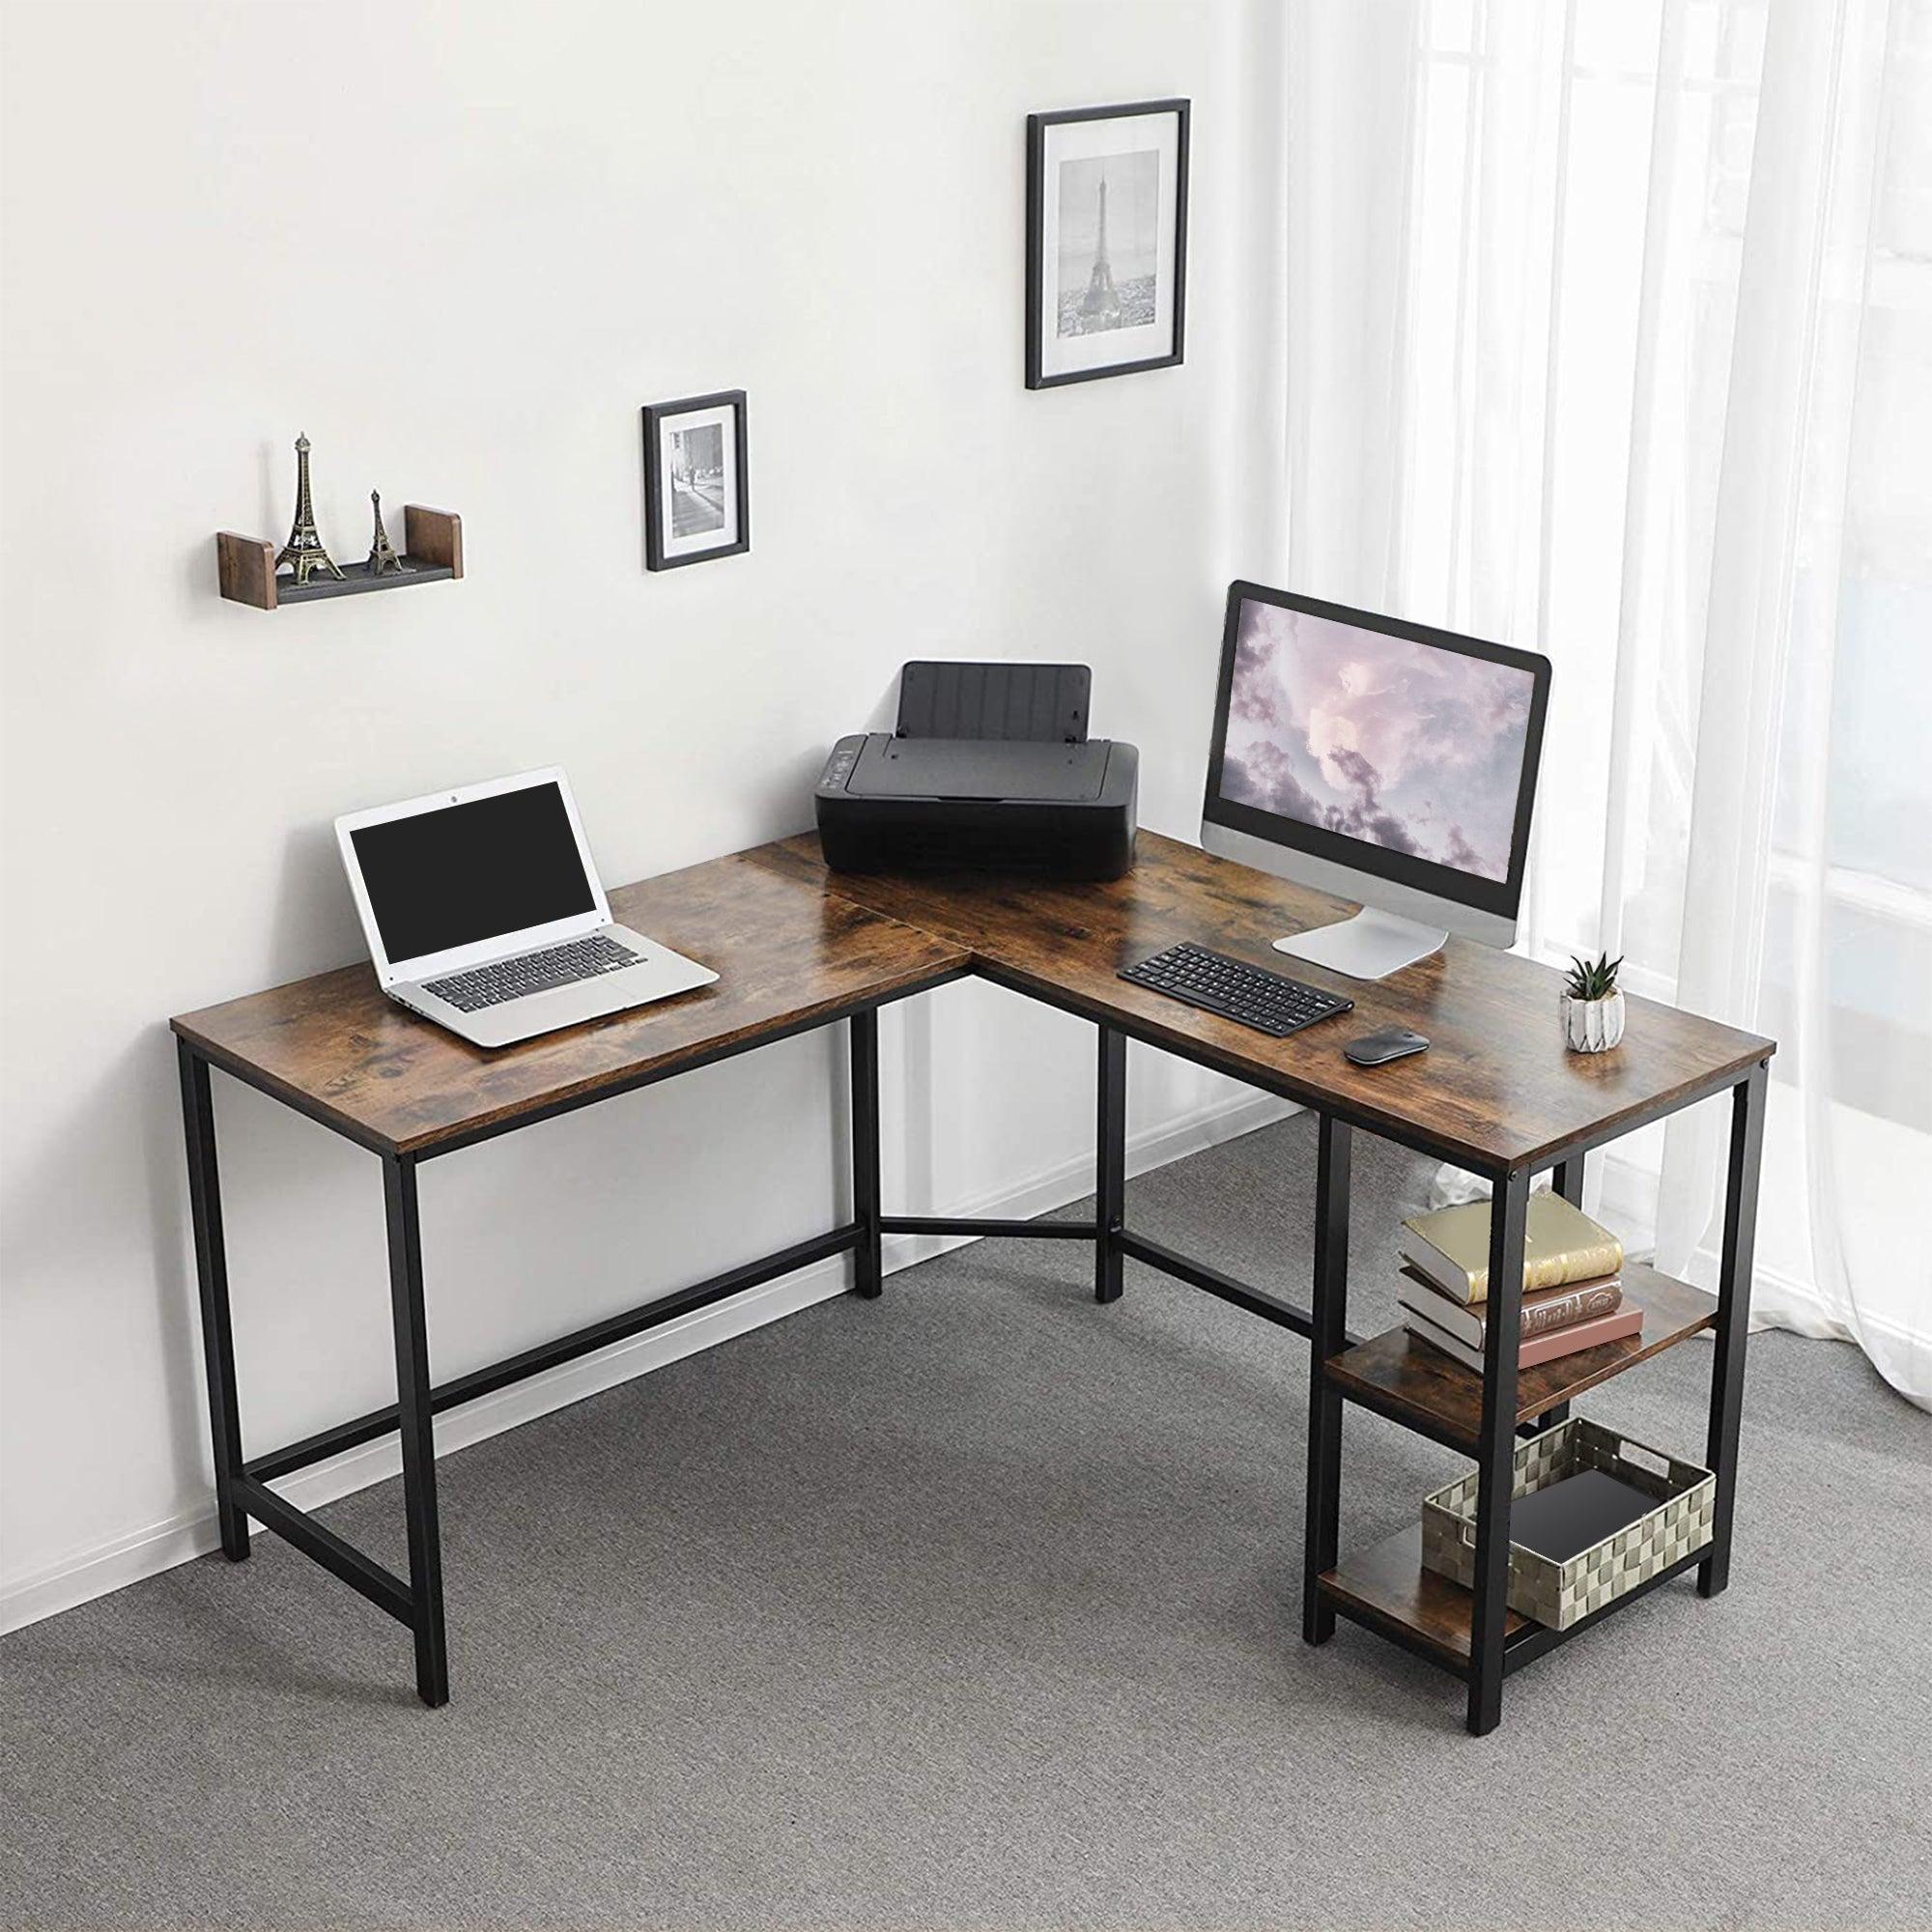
(1106, 240)
(697, 490)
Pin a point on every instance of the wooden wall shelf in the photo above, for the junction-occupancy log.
(432, 543)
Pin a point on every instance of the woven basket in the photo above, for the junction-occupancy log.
(1557, 1594)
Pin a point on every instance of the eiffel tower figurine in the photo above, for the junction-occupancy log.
(383, 558)
(303, 549)
(1100, 306)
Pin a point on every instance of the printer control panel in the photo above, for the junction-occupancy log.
(838, 766)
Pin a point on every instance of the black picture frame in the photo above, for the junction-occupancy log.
(1037, 125)
(656, 416)
(1502, 896)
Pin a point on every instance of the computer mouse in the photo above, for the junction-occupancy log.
(1372, 1049)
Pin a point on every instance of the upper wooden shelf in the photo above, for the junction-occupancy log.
(1405, 1378)
(432, 547)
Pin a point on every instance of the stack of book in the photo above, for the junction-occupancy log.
(1572, 1292)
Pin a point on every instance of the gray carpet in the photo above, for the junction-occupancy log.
(979, 1607)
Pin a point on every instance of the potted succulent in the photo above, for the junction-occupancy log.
(1593, 1005)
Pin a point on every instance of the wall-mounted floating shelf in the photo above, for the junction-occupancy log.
(431, 546)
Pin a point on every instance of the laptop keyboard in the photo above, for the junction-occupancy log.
(532, 973)
(1270, 1003)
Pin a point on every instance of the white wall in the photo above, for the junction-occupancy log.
(459, 246)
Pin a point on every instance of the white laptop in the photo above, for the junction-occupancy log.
(484, 913)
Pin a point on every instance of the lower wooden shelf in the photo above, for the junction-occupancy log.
(1405, 1378)
(1386, 1586)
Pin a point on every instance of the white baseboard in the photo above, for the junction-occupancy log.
(180, 1538)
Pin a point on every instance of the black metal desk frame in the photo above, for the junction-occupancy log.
(242, 1484)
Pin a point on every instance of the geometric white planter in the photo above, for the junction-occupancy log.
(1592, 1025)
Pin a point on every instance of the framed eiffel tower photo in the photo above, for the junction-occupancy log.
(697, 487)
(1106, 280)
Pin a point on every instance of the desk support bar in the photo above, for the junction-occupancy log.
(415, 1407)
(211, 1267)
(420, 1602)
(1566, 1178)
(1496, 1450)
(363, 1428)
(1327, 1334)
(867, 1270)
(1211, 1281)
(383, 1588)
(1025, 1231)
(1110, 1164)
(1734, 1287)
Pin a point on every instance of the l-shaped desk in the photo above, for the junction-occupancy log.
(797, 948)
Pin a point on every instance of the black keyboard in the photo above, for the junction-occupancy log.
(532, 973)
(1268, 1002)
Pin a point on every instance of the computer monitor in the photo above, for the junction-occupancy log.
(1386, 762)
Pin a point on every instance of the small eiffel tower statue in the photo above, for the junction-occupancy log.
(303, 549)
(383, 558)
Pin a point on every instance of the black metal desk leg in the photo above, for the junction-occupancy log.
(868, 1268)
(1109, 1165)
(1322, 1527)
(1567, 1178)
(413, 1402)
(1734, 1292)
(1495, 1452)
(211, 1267)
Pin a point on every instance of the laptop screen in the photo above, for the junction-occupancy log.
(480, 870)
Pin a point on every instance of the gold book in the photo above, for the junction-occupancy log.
(1560, 1244)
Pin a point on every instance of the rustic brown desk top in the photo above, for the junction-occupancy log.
(1496, 1086)
(786, 954)
(794, 945)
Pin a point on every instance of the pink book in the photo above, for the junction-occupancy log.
(1557, 1342)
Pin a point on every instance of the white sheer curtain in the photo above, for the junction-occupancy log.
(1609, 332)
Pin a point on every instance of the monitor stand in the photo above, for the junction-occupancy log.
(1370, 946)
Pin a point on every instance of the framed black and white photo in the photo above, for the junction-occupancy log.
(1106, 240)
(697, 491)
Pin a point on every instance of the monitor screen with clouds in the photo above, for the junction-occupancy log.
(1403, 745)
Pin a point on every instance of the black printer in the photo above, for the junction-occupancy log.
(990, 769)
